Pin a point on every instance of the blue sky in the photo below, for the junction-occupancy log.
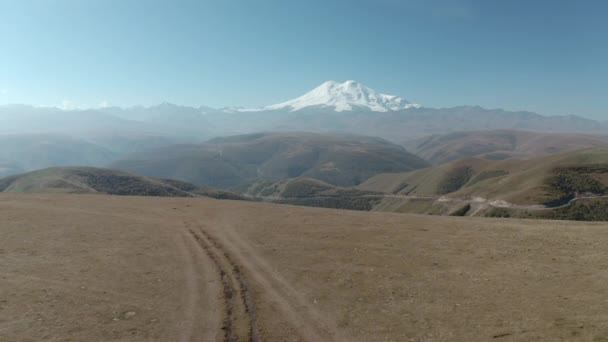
(548, 56)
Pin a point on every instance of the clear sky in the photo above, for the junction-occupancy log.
(548, 56)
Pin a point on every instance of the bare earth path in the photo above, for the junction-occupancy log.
(102, 268)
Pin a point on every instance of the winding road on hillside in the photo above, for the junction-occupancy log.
(481, 203)
(497, 203)
(504, 204)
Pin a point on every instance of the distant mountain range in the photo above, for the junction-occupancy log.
(347, 107)
(181, 142)
(350, 107)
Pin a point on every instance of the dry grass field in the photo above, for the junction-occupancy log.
(107, 268)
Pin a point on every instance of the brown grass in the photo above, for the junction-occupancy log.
(85, 267)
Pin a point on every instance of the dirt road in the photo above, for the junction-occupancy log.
(102, 268)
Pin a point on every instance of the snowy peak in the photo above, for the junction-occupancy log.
(345, 97)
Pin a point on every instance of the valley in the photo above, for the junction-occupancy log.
(303, 171)
(342, 215)
(346, 172)
(108, 135)
(230, 162)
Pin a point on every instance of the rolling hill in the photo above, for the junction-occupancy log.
(312, 193)
(500, 145)
(571, 186)
(104, 181)
(536, 181)
(342, 160)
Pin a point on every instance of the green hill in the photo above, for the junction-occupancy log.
(549, 180)
(312, 192)
(104, 181)
(570, 185)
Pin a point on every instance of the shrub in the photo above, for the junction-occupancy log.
(462, 211)
(582, 210)
(566, 182)
(454, 180)
(499, 212)
(351, 203)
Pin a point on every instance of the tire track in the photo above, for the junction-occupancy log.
(200, 318)
(311, 324)
(240, 320)
(237, 263)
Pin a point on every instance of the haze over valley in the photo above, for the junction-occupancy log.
(97, 137)
(339, 137)
(258, 171)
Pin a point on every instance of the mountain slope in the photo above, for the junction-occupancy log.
(228, 162)
(500, 144)
(312, 193)
(19, 119)
(348, 108)
(104, 181)
(549, 180)
(344, 97)
(400, 125)
(167, 117)
(165, 121)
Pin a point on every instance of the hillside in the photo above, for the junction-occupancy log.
(499, 145)
(103, 181)
(342, 160)
(529, 184)
(430, 181)
(312, 193)
(569, 186)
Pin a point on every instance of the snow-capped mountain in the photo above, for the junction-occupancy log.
(345, 96)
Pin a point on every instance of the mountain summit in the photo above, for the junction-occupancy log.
(345, 96)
